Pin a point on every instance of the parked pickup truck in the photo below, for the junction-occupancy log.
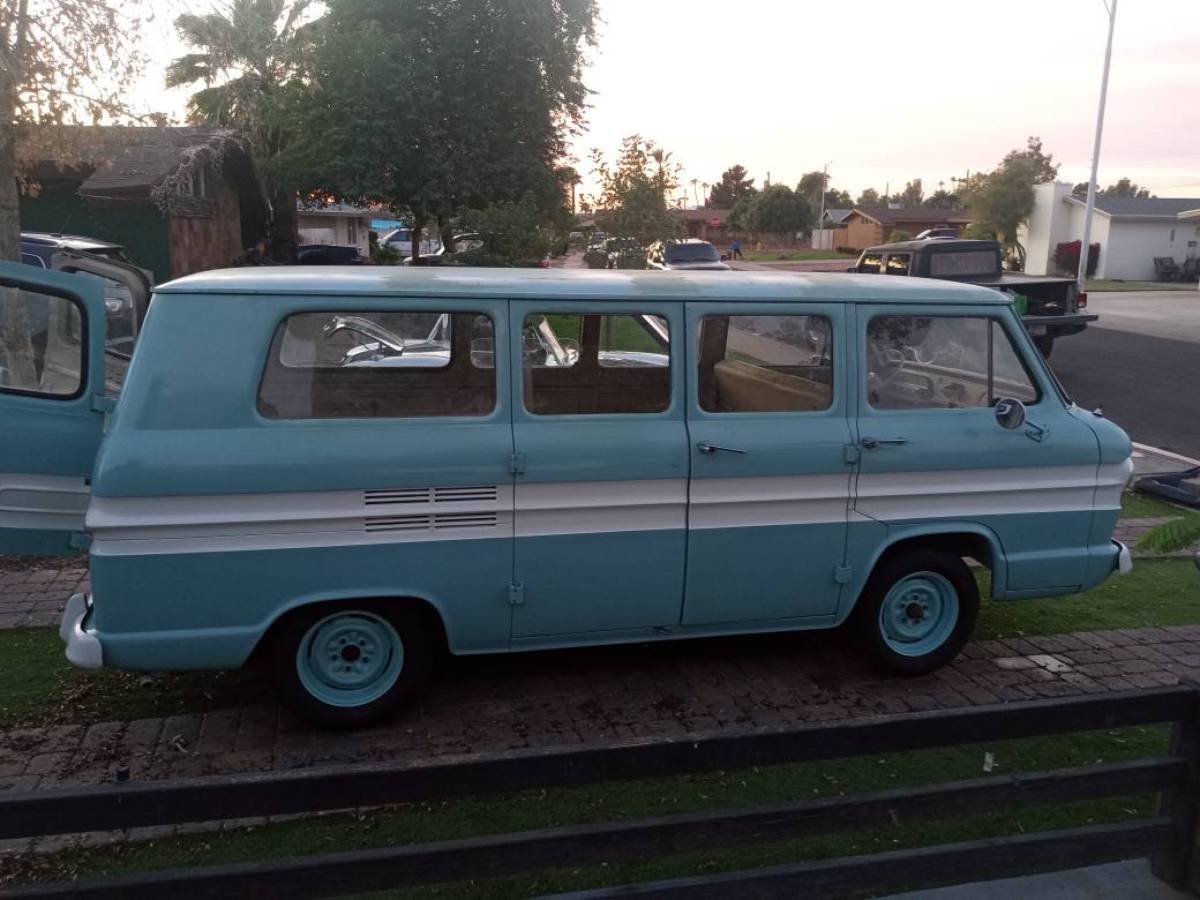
(1050, 307)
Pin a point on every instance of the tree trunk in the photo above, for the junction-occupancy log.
(418, 225)
(16, 344)
(284, 234)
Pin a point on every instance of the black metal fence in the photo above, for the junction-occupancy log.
(1167, 836)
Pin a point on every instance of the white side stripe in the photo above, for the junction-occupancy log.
(585, 507)
(42, 502)
(775, 500)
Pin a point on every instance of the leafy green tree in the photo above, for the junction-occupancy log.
(248, 58)
(778, 211)
(868, 198)
(513, 233)
(634, 191)
(1002, 199)
(733, 186)
(912, 195)
(1123, 188)
(899, 234)
(943, 199)
(810, 189)
(432, 107)
(62, 63)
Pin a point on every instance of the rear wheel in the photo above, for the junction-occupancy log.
(351, 665)
(918, 610)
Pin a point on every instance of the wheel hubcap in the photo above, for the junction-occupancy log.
(350, 659)
(919, 613)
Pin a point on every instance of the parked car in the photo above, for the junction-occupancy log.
(425, 461)
(400, 240)
(684, 254)
(624, 253)
(126, 285)
(595, 256)
(1050, 307)
(575, 238)
(328, 255)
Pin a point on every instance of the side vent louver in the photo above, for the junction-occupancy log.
(428, 523)
(397, 495)
(386, 496)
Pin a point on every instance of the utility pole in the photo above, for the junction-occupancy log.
(821, 217)
(1085, 245)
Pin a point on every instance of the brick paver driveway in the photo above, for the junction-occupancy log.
(565, 699)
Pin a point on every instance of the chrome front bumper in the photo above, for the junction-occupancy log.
(1124, 561)
(83, 648)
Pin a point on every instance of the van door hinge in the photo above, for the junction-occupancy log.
(516, 463)
(853, 453)
(516, 593)
(842, 574)
(103, 404)
(80, 540)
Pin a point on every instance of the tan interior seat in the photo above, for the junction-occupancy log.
(742, 387)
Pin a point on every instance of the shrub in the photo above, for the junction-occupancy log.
(1066, 257)
(849, 251)
(899, 234)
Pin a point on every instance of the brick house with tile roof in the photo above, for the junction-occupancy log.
(867, 226)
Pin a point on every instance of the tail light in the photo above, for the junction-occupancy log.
(1081, 300)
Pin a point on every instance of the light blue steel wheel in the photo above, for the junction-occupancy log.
(350, 658)
(919, 614)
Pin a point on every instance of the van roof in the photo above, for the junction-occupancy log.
(574, 284)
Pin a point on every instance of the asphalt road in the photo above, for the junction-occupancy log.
(1141, 365)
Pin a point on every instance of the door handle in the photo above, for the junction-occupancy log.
(870, 443)
(705, 447)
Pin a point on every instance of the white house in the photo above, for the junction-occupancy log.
(1131, 231)
(339, 224)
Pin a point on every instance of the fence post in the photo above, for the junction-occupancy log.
(1176, 863)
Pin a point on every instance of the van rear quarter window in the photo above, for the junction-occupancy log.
(330, 365)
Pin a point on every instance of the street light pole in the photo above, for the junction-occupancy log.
(1085, 244)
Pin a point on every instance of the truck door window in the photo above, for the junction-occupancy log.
(871, 262)
(596, 364)
(943, 362)
(765, 364)
(374, 364)
(897, 264)
(42, 349)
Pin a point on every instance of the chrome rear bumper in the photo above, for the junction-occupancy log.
(83, 648)
(1124, 561)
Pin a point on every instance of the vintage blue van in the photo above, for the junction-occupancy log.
(350, 471)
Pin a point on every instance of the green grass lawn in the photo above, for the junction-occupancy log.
(636, 799)
(1136, 505)
(794, 255)
(1109, 284)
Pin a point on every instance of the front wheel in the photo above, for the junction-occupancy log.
(348, 666)
(918, 610)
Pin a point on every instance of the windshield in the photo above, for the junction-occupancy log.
(690, 253)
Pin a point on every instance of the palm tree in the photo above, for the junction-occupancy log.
(246, 57)
(695, 191)
(704, 186)
(569, 175)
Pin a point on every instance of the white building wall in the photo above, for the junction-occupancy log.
(1048, 225)
(1128, 250)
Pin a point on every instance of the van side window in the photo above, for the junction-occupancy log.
(42, 350)
(897, 264)
(765, 364)
(943, 362)
(330, 365)
(596, 364)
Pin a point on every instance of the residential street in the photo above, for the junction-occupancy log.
(1141, 364)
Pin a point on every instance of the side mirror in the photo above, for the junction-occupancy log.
(1010, 413)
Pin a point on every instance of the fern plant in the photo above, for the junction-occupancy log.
(1177, 534)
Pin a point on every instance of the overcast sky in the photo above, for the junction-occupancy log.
(886, 91)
